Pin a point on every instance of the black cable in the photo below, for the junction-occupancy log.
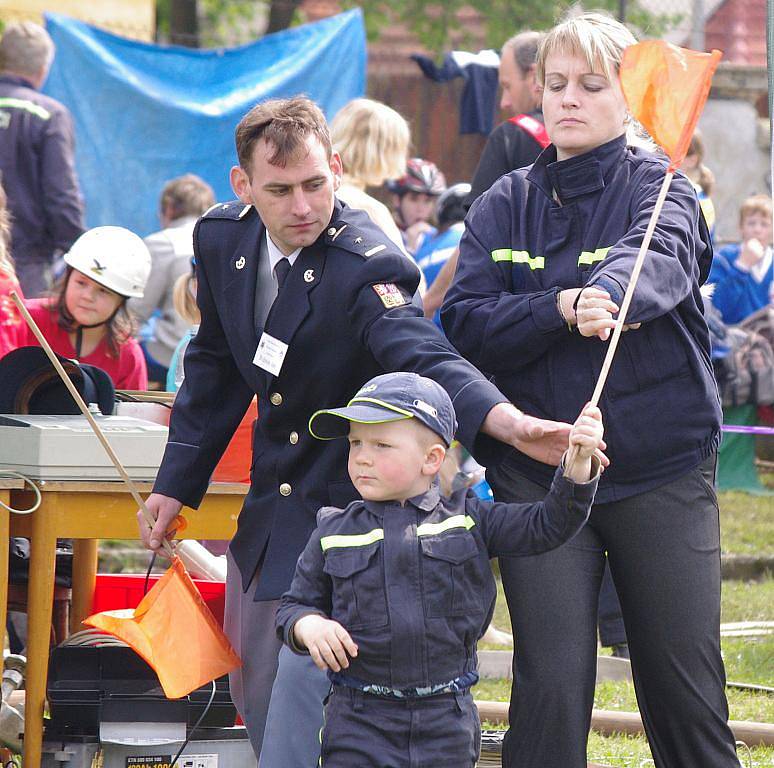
(148, 573)
(196, 725)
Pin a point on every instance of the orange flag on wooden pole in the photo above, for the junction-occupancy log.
(666, 88)
(174, 631)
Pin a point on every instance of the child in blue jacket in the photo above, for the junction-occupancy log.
(391, 593)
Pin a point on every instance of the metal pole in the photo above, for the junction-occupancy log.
(622, 11)
(697, 25)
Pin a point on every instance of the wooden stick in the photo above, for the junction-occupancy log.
(89, 416)
(627, 300)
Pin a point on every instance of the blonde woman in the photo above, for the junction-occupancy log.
(544, 263)
(12, 328)
(373, 141)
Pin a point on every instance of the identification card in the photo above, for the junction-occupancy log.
(270, 354)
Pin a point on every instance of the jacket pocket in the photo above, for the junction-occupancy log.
(452, 575)
(359, 599)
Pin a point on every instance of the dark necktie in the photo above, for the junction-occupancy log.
(281, 272)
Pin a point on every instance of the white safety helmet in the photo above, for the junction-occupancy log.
(113, 257)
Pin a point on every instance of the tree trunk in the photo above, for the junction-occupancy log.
(281, 14)
(183, 23)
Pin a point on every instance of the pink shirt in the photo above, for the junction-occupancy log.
(13, 329)
(127, 371)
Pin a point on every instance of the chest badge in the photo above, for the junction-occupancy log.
(240, 263)
(309, 276)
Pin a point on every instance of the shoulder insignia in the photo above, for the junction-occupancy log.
(390, 295)
(234, 211)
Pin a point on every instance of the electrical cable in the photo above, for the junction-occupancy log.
(35, 490)
(195, 726)
(148, 573)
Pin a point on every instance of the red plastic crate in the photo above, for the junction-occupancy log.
(125, 590)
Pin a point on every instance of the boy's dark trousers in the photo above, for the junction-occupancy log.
(371, 731)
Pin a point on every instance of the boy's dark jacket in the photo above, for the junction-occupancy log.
(412, 583)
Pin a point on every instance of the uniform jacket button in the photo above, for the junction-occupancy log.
(293, 438)
(275, 398)
(285, 489)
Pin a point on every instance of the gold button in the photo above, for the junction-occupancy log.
(275, 398)
(293, 438)
(285, 489)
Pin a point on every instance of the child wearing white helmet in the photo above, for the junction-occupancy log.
(86, 317)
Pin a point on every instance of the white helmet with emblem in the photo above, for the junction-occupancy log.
(113, 257)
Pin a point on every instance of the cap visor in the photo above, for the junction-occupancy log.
(333, 423)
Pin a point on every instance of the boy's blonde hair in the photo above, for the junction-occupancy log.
(756, 204)
(183, 299)
(373, 141)
(599, 38)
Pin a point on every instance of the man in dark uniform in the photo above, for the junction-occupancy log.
(37, 160)
(302, 300)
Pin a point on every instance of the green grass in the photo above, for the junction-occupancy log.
(746, 523)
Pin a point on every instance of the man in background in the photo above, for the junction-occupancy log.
(36, 158)
(183, 201)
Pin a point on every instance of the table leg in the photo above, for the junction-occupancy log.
(5, 532)
(84, 580)
(40, 597)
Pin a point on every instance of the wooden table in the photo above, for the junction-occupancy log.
(6, 486)
(86, 512)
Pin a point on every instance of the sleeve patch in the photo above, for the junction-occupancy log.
(390, 295)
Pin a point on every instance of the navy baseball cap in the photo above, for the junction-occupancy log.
(386, 398)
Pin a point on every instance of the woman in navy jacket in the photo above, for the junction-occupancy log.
(544, 265)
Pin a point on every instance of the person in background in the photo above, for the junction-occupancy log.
(184, 302)
(183, 201)
(437, 248)
(513, 144)
(414, 196)
(701, 177)
(87, 317)
(743, 273)
(37, 158)
(12, 327)
(373, 141)
(546, 257)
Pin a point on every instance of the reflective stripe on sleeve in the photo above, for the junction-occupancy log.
(27, 106)
(351, 539)
(591, 257)
(518, 257)
(456, 521)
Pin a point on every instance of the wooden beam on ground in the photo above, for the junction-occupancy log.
(607, 722)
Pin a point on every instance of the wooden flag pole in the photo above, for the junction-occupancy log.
(627, 300)
(89, 416)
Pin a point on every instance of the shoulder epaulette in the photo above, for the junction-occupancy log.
(359, 235)
(234, 210)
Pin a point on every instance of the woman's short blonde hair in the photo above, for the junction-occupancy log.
(373, 141)
(6, 262)
(599, 38)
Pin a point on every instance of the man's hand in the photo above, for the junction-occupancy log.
(540, 439)
(164, 510)
(326, 640)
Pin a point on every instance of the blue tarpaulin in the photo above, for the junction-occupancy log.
(145, 113)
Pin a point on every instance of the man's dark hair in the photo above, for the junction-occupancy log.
(524, 48)
(285, 124)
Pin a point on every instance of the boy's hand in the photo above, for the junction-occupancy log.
(586, 433)
(752, 252)
(326, 640)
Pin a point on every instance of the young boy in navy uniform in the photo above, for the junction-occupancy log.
(392, 593)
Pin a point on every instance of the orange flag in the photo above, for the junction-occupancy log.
(173, 630)
(665, 88)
